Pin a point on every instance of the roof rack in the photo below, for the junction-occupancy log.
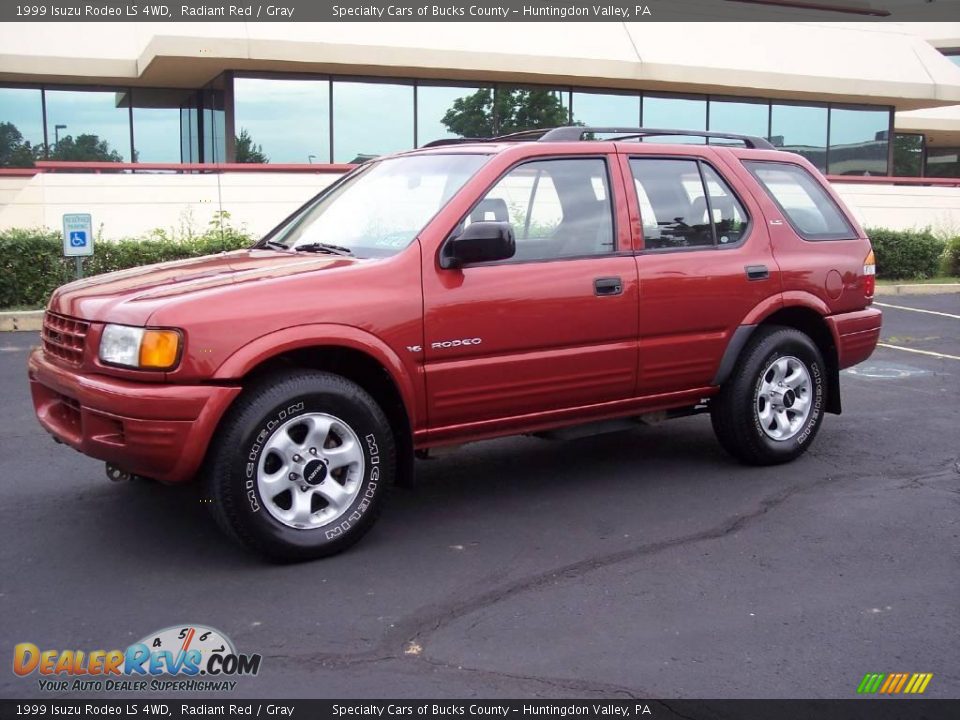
(575, 133)
(510, 137)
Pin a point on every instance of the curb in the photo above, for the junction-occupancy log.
(915, 289)
(21, 320)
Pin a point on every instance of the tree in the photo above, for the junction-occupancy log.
(85, 148)
(247, 151)
(488, 114)
(14, 150)
(907, 155)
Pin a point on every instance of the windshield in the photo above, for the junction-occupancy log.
(380, 210)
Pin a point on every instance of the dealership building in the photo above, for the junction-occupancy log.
(150, 125)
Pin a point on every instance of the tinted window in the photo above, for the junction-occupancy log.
(802, 130)
(675, 209)
(88, 126)
(811, 211)
(157, 130)
(743, 118)
(371, 119)
(447, 112)
(675, 113)
(610, 110)
(859, 141)
(21, 127)
(908, 155)
(282, 121)
(558, 208)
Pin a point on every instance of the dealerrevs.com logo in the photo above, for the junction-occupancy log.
(180, 658)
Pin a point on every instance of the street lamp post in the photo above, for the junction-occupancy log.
(56, 133)
(310, 159)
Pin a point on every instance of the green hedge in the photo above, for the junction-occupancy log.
(906, 254)
(951, 257)
(32, 263)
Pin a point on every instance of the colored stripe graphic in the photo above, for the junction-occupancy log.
(894, 683)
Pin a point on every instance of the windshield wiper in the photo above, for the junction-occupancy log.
(324, 248)
(276, 245)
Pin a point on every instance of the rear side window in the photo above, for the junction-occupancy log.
(808, 207)
(685, 203)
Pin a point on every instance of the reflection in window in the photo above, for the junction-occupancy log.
(801, 129)
(285, 121)
(943, 162)
(669, 113)
(467, 109)
(88, 125)
(908, 155)
(530, 108)
(21, 127)
(214, 127)
(606, 109)
(371, 119)
(859, 141)
(156, 124)
(672, 205)
(742, 118)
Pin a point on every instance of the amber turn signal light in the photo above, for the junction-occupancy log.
(159, 349)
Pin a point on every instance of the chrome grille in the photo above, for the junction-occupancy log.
(64, 337)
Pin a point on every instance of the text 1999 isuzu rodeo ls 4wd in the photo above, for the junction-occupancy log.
(467, 290)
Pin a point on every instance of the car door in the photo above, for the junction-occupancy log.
(705, 264)
(553, 327)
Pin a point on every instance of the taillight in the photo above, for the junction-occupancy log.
(869, 274)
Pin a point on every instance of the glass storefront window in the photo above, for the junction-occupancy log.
(907, 155)
(859, 141)
(943, 162)
(282, 120)
(521, 108)
(371, 119)
(156, 125)
(88, 125)
(742, 118)
(465, 109)
(670, 113)
(801, 129)
(606, 109)
(21, 127)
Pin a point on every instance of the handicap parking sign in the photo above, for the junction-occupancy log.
(77, 234)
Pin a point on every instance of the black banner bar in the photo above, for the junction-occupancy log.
(176, 709)
(480, 11)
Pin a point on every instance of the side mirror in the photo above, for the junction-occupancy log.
(480, 242)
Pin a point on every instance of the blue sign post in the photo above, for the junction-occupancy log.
(78, 238)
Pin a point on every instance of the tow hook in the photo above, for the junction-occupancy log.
(115, 474)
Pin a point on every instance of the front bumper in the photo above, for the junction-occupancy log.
(153, 429)
(855, 335)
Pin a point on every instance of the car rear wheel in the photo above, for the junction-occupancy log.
(299, 466)
(770, 409)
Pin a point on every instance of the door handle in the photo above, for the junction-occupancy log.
(757, 272)
(608, 286)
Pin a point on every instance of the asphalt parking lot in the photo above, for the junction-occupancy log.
(644, 563)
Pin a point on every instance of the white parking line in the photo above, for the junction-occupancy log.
(919, 352)
(928, 312)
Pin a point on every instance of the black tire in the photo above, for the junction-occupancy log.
(735, 410)
(233, 461)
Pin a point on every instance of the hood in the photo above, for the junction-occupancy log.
(130, 296)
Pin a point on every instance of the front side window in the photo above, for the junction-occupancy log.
(380, 209)
(685, 203)
(808, 207)
(558, 208)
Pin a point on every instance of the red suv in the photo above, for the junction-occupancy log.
(468, 290)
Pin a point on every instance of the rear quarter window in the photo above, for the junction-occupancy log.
(808, 207)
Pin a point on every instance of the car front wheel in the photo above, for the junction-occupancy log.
(299, 466)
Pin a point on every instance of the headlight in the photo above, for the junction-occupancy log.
(142, 348)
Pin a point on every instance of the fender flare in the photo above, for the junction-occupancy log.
(322, 335)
